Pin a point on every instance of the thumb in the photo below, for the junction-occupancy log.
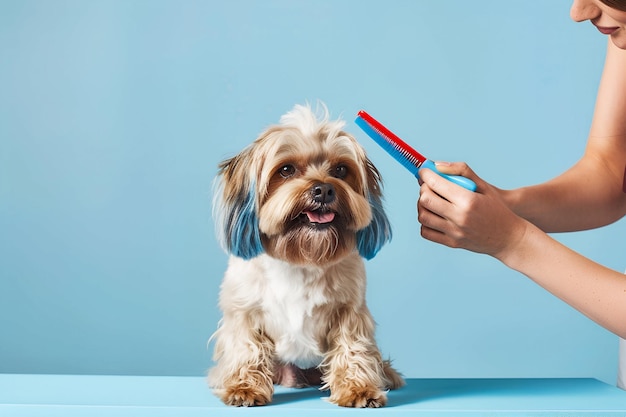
(456, 168)
(460, 173)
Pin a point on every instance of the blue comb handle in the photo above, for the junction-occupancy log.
(457, 179)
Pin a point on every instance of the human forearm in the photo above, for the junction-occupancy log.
(587, 196)
(482, 223)
(594, 290)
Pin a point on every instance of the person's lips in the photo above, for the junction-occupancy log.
(606, 30)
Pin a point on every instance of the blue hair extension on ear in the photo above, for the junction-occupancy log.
(243, 238)
(376, 234)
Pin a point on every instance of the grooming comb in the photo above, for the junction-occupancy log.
(402, 152)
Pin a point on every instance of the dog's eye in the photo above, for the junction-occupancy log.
(287, 171)
(340, 171)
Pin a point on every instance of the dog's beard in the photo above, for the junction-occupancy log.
(313, 233)
(305, 242)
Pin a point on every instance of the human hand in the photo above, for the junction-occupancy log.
(477, 221)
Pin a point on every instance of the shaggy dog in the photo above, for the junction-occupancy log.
(298, 210)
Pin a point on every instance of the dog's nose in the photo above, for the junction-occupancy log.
(324, 193)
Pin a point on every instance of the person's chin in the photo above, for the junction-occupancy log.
(619, 38)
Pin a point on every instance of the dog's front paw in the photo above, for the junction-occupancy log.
(359, 397)
(245, 396)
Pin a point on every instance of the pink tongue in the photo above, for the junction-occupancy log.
(316, 217)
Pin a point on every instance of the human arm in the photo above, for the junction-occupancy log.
(591, 193)
(481, 222)
(510, 225)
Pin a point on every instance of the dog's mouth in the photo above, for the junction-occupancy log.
(317, 218)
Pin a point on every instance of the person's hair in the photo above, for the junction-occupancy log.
(616, 4)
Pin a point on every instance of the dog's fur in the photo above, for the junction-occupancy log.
(297, 210)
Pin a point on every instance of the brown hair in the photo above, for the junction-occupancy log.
(616, 4)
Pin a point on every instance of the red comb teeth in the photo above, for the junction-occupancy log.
(391, 137)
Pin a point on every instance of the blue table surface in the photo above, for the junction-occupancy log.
(91, 395)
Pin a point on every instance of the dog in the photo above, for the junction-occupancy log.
(298, 210)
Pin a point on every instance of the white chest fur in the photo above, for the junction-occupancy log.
(288, 297)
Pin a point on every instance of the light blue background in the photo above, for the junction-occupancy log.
(115, 114)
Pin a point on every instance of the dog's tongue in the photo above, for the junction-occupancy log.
(317, 217)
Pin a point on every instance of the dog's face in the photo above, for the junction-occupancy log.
(304, 192)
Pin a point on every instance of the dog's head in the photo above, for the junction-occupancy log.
(304, 191)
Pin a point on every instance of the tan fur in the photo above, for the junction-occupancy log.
(297, 311)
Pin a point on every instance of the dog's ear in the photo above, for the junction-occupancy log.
(378, 232)
(235, 207)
